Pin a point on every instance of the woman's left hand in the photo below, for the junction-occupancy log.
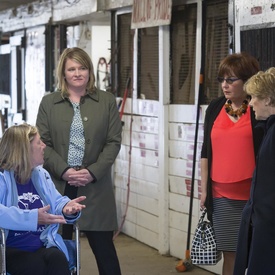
(74, 206)
(80, 178)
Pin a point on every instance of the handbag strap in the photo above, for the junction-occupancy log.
(203, 225)
(202, 215)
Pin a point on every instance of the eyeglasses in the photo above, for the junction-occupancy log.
(227, 80)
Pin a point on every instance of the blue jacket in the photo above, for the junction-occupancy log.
(14, 218)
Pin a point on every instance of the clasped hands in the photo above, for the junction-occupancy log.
(72, 207)
(77, 177)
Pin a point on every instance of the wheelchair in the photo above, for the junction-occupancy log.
(73, 247)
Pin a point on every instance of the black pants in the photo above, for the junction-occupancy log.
(101, 243)
(104, 250)
(67, 229)
(45, 261)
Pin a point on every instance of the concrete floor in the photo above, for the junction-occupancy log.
(135, 258)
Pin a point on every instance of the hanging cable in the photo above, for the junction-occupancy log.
(130, 156)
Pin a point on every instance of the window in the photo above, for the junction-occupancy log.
(263, 50)
(5, 87)
(124, 52)
(148, 64)
(183, 45)
(183, 39)
(216, 47)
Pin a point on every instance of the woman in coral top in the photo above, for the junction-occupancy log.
(228, 153)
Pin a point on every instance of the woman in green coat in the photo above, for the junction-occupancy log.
(82, 130)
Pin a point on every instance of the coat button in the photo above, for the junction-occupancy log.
(85, 118)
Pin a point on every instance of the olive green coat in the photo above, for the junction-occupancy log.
(102, 130)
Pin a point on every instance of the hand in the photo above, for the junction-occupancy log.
(66, 175)
(46, 218)
(80, 178)
(74, 206)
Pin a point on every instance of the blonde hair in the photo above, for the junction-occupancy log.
(262, 85)
(15, 150)
(80, 56)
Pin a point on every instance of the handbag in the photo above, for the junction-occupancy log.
(204, 248)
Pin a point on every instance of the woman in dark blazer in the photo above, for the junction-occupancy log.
(82, 130)
(228, 153)
(256, 237)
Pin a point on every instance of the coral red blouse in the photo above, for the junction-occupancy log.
(233, 156)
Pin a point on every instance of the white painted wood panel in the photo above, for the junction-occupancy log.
(179, 203)
(182, 186)
(178, 243)
(140, 156)
(185, 150)
(149, 237)
(141, 140)
(142, 234)
(178, 220)
(137, 186)
(183, 168)
(141, 124)
(141, 202)
(185, 131)
(184, 113)
(138, 171)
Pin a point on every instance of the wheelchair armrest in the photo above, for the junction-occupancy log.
(3, 252)
(77, 240)
(73, 247)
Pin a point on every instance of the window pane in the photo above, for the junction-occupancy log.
(125, 52)
(5, 74)
(264, 49)
(217, 46)
(183, 39)
(148, 87)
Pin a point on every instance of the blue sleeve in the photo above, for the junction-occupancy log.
(12, 217)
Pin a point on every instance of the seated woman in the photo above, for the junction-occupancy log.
(31, 208)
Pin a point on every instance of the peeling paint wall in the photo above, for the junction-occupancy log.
(22, 17)
(255, 14)
(34, 71)
(47, 11)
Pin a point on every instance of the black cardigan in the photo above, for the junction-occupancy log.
(211, 114)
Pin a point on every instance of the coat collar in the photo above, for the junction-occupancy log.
(266, 124)
(58, 98)
(270, 121)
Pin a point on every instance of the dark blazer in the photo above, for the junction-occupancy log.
(102, 130)
(257, 230)
(211, 114)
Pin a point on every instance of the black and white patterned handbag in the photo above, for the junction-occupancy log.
(204, 248)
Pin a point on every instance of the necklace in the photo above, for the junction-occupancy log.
(236, 113)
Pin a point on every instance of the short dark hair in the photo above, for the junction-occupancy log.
(242, 65)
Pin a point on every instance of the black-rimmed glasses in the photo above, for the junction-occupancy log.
(227, 80)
